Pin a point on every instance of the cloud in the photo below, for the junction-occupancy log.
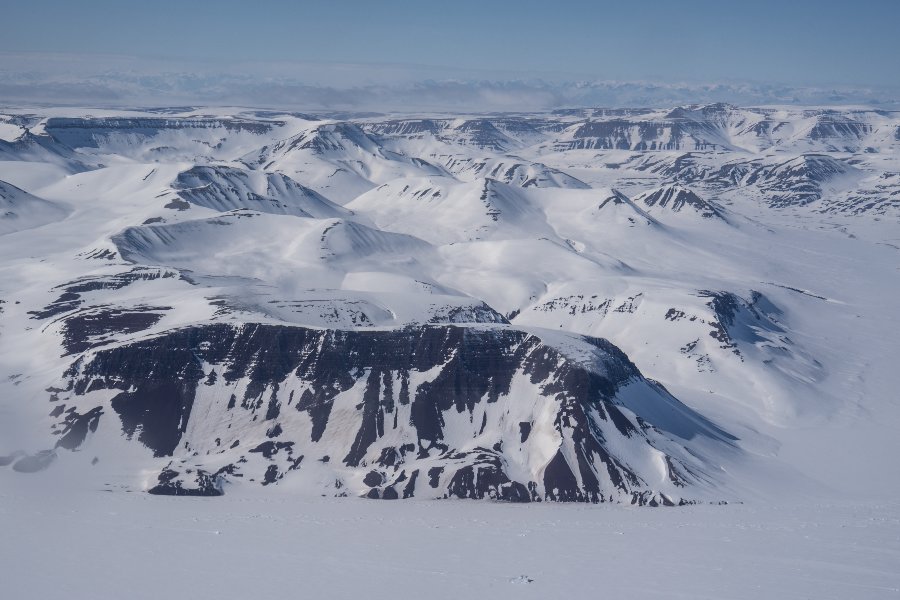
(122, 81)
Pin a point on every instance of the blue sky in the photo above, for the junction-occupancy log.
(796, 42)
(456, 54)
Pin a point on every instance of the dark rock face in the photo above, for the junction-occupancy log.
(799, 181)
(393, 403)
(680, 129)
(173, 483)
(676, 199)
(740, 319)
(740, 325)
(617, 134)
(796, 182)
(482, 133)
(477, 313)
(75, 427)
(686, 168)
(91, 133)
(73, 292)
(839, 128)
(407, 127)
(486, 479)
(84, 330)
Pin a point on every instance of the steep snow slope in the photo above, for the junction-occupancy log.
(20, 210)
(458, 212)
(227, 188)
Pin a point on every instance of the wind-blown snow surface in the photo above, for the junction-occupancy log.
(643, 307)
(282, 545)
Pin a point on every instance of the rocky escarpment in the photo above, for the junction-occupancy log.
(432, 411)
(94, 132)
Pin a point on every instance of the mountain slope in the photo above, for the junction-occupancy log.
(432, 412)
(20, 210)
(226, 188)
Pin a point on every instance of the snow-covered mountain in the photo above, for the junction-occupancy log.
(20, 210)
(639, 306)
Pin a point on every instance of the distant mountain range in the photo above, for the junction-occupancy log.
(122, 81)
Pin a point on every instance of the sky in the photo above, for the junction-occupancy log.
(787, 43)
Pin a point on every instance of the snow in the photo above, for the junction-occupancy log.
(113, 545)
(10, 131)
(550, 230)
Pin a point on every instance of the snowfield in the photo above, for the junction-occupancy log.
(225, 333)
(110, 545)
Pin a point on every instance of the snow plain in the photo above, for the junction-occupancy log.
(99, 545)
